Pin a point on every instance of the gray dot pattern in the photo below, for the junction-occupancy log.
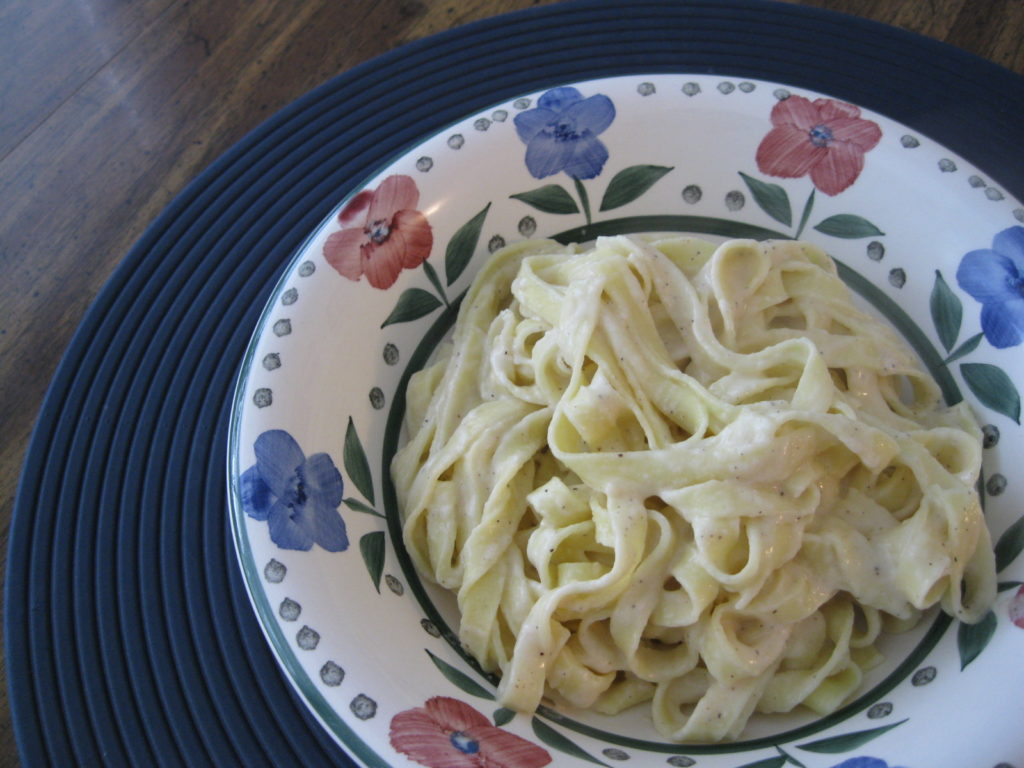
(363, 707)
(307, 638)
(274, 572)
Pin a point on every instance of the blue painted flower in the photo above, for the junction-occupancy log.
(296, 495)
(995, 277)
(863, 762)
(561, 133)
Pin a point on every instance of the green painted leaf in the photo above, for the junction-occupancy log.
(971, 639)
(808, 206)
(966, 348)
(413, 304)
(433, 278)
(770, 762)
(460, 679)
(550, 198)
(847, 226)
(947, 312)
(556, 740)
(357, 506)
(629, 183)
(835, 745)
(462, 246)
(1002, 586)
(356, 465)
(1009, 545)
(771, 197)
(503, 716)
(371, 546)
(993, 388)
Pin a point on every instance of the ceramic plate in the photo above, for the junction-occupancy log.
(370, 647)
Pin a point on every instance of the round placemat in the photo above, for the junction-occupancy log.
(130, 637)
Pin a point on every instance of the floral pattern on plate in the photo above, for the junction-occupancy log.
(296, 495)
(561, 133)
(382, 233)
(825, 139)
(447, 733)
(995, 277)
(405, 246)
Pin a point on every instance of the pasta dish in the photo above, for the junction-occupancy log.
(659, 470)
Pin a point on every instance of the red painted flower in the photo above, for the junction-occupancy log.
(446, 733)
(1017, 608)
(382, 234)
(824, 137)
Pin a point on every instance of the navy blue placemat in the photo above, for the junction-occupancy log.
(130, 638)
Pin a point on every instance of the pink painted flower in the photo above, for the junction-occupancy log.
(1017, 608)
(824, 137)
(382, 234)
(446, 733)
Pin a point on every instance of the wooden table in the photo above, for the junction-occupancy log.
(109, 108)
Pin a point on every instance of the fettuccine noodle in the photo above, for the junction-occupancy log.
(659, 470)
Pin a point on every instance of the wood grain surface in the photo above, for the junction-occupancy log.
(109, 108)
